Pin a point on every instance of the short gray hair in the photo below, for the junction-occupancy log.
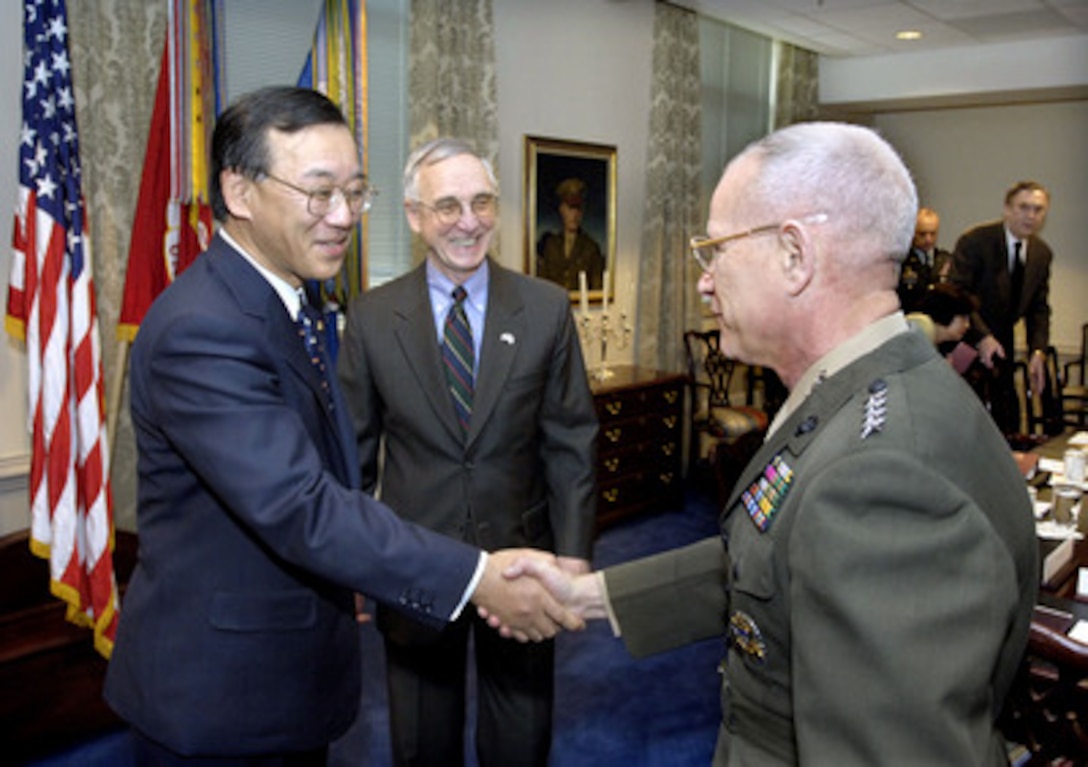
(435, 151)
(847, 171)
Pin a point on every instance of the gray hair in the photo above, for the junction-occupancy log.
(846, 171)
(436, 151)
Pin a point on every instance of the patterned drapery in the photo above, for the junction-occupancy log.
(116, 46)
(451, 78)
(668, 301)
(798, 85)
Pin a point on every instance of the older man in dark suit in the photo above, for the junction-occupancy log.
(1006, 265)
(472, 377)
(238, 642)
(876, 571)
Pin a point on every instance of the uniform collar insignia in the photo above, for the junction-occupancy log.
(876, 409)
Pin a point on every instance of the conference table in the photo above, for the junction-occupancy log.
(1047, 710)
(1061, 588)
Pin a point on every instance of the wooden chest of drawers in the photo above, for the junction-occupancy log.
(640, 444)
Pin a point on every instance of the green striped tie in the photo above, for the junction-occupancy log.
(458, 357)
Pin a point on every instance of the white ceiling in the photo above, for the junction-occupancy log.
(845, 28)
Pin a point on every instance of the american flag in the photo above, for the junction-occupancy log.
(51, 305)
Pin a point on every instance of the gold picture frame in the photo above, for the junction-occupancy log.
(571, 184)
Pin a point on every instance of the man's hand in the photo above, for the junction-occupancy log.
(573, 565)
(1037, 372)
(521, 607)
(568, 581)
(988, 348)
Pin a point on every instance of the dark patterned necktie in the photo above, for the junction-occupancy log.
(458, 357)
(310, 329)
(1017, 276)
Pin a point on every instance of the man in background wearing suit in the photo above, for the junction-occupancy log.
(876, 571)
(502, 455)
(925, 264)
(238, 642)
(1007, 267)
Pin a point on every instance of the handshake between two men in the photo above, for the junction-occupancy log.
(530, 595)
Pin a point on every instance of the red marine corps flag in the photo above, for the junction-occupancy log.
(173, 221)
(51, 306)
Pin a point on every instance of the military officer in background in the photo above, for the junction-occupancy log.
(925, 264)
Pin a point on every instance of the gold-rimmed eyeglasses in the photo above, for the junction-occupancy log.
(357, 195)
(706, 250)
(450, 210)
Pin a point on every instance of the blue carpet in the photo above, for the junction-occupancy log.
(611, 710)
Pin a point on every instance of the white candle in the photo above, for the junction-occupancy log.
(584, 293)
(604, 293)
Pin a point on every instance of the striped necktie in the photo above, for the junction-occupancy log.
(458, 357)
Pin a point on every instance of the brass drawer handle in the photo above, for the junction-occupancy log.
(613, 435)
(668, 448)
(612, 464)
(669, 421)
(614, 407)
(667, 477)
(671, 396)
(611, 495)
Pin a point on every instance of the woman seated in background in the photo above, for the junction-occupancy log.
(944, 315)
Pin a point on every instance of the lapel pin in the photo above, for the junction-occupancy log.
(507, 338)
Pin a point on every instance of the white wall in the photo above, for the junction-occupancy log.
(993, 73)
(577, 70)
(964, 159)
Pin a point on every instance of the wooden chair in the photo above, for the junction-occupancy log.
(1043, 413)
(1074, 392)
(1047, 708)
(722, 436)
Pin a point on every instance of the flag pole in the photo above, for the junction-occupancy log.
(117, 388)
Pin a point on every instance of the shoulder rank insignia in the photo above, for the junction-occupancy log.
(876, 409)
(747, 637)
(764, 497)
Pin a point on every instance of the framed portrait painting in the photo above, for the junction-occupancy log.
(570, 214)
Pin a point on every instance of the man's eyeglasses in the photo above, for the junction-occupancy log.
(707, 249)
(450, 210)
(357, 196)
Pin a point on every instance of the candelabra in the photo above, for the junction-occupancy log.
(600, 329)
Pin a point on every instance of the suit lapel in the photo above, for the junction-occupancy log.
(1033, 274)
(258, 299)
(415, 337)
(504, 327)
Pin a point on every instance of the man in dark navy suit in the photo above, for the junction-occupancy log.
(238, 642)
